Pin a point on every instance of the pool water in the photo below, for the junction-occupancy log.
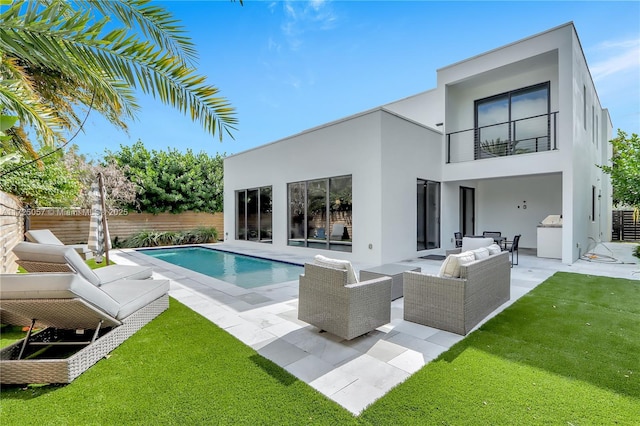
(241, 270)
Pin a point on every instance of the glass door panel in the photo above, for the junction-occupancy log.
(530, 134)
(297, 204)
(317, 213)
(492, 122)
(253, 215)
(241, 224)
(340, 219)
(428, 214)
(266, 207)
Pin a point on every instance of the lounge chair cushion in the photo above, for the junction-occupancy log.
(43, 236)
(111, 273)
(320, 260)
(451, 266)
(132, 295)
(52, 253)
(53, 285)
(118, 299)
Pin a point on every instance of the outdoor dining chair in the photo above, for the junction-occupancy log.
(512, 247)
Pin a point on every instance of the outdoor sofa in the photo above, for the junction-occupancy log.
(35, 257)
(332, 299)
(80, 322)
(467, 289)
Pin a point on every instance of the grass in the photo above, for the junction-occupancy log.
(567, 353)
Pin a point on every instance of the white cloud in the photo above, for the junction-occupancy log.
(301, 17)
(615, 57)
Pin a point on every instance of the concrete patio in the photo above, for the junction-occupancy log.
(353, 373)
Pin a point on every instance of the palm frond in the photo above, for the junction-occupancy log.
(108, 65)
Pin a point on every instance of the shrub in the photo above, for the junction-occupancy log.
(636, 252)
(166, 238)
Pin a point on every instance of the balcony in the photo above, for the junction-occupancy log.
(515, 137)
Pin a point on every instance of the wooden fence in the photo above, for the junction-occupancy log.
(624, 228)
(11, 231)
(71, 226)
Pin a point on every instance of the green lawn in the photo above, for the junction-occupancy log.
(565, 354)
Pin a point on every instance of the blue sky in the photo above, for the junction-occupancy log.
(287, 66)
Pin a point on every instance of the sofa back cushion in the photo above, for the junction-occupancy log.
(494, 249)
(451, 266)
(471, 243)
(321, 260)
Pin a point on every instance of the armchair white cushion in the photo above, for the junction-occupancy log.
(321, 260)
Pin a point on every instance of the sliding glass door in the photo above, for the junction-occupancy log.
(428, 214)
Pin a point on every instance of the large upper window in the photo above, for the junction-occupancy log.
(515, 122)
(253, 214)
(320, 213)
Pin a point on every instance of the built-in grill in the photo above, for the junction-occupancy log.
(550, 237)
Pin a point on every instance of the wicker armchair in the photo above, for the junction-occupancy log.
(346, 310)
(458, 304)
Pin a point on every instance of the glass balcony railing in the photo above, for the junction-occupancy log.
(522, 136)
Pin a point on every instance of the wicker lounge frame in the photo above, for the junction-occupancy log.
(458, 304)
(14, 371)
(326, 301)
(80, 322)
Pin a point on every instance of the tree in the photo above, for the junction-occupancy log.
(625, 170)
(119, 190)
(172, 181)
(56, 55)
(53, 185)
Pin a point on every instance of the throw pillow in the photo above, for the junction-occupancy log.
(494, 249)
(451, 266)
(481, 253)
(447, 267)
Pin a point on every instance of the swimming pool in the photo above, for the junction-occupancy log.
(238, 269)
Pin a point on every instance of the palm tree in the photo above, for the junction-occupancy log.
(57, 56)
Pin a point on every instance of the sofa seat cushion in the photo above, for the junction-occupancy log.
(469, 243)
(321, 260)
(451, 266)
(122, 272)
(132, 295)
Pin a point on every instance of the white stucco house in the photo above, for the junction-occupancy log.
(506, 138)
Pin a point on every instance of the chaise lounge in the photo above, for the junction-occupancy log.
(45, 236)
(59, 258)
(81, 322)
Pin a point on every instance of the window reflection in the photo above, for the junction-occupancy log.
(515, 122)
(253, 214)
(320, 213)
